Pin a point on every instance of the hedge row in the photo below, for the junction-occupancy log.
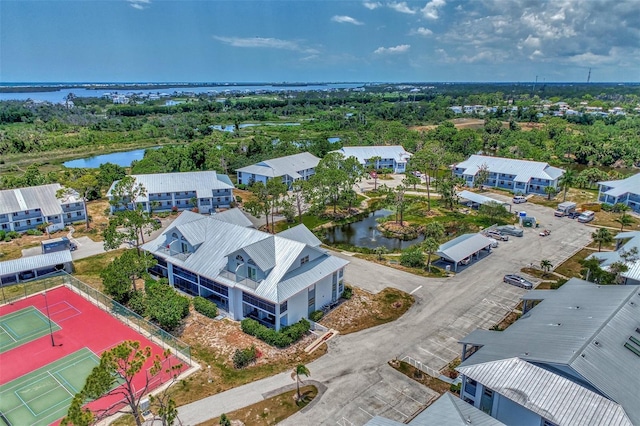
(280, 339)
(205, 307)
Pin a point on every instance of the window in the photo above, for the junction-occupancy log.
(68, 215)
(251, 273)
(546, 422)
(78, 214)
(239, 258)
(283, 307)
(304, 260)
(259, 303)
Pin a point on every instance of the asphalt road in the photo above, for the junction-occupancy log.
(360, 384)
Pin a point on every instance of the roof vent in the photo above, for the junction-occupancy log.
(595, 342)
(582, 355)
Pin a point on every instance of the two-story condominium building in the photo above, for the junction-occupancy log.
(573, 358)
(519, 176)
(626, 242)
(27, 208)
(275, 279)
(393, 157)
(625, 191)
(205, 191)
(290, 168)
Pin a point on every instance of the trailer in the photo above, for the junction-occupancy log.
(565, 209)
(57, 244)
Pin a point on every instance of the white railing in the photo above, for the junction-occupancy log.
(420, 366)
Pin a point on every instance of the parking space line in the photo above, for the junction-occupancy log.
(416, 289)
(366, 412)
(434, 355)
(408, 396)
(443, 346)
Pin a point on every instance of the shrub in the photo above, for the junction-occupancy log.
(347, 293)
(11, 235)
(205, 307)
(412, 257)
(33, 232)
(165, 305)
(241, 186)
(244, 357)
(224, 420)
(3, 234)
(280, 339)
(238, 199)
(316, 315)
(137, 303)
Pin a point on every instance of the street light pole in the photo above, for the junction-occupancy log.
(46, 302)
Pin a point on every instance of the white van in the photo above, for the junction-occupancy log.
(519, 199)
(586, 216)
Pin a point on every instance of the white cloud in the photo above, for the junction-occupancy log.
(431, 9)
(401, 48)
(422, 31)
(262, 42)
(346, 20)
(139, 4)
(402, 7)
(371, 5)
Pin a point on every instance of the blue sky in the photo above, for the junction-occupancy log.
(319, 40)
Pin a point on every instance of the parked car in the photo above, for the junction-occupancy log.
(497, 235)
(586, 216)
(573, 215)
(518, 281)
(519, 199)
(510, 230)
(465, 261)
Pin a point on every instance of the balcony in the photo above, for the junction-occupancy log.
(173, 253)
(22, 215)
(236, 279)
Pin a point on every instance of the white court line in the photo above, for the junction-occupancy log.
(61, 385)
(432, 354)
(7, 333)
(416, 289)
(366, 412)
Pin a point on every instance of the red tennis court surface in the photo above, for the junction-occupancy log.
(82, 325)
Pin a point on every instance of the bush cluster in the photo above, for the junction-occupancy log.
(412, 257)
(347, 293)
(8, 236)
(280, 339)
(316, 316)
(244, 357)
(164, 305)
(205, 307)
(33, 232)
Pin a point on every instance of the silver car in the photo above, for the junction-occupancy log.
(510, 230)
(518, 281)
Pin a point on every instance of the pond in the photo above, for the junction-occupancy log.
(365, 233)
(122, 159)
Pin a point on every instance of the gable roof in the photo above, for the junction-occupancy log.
(289, 165)
(273, 254)
(302, 234)
(607, 258)
(34, 197)
(523, 170)
(463, 246)
(203, 183)
(583, 328)
(363, 153)
(38, 261)
(547, 394)
(234, 216)
(478, 198)
(623, 186)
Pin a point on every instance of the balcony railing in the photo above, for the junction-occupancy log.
(174, 253)
(232, 276)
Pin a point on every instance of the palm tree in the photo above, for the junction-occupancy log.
(602, 236)
(300, 369)
(380, 251)
(566, 180)
(431, 246)
(546, 265)
(549, 190)
(624, 219)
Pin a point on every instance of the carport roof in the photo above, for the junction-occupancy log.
(31, 263)
(478, 198)
(463, 247)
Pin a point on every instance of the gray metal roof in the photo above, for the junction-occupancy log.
(381, 421)
(234, 216)
(463, 246)
(30, 263)
(203, 183)
(523, 170)
(289, 165)
(34, 197)
(623, 186)
(363, 153)
(478, 198)
(302, 234)
(607, 258)
(450, 410)
(217, 239)
(562, 331)
(549, 395)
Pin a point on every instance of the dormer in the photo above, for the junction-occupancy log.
(179, 245)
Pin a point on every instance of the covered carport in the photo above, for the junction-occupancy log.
(27, 268)
(467, 245)
(474, 200)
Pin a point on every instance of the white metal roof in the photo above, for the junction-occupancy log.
(623, 186)
(549, 395)
(523, 170)
(463, 246)
(203, 183)
(235, 216)
(274, 254)
(478, 198)
(302, 234)
(30, 198)
(31, 263)
(363, 153)
(607, 258)
(289, 165)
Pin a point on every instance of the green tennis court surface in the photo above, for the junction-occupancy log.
(44, 395)
(23, 326)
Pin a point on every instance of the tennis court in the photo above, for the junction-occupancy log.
(23, 326)
(44, 395)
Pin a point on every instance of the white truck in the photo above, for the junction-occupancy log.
(565, 209)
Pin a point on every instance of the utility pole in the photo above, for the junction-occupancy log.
(46, 302)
